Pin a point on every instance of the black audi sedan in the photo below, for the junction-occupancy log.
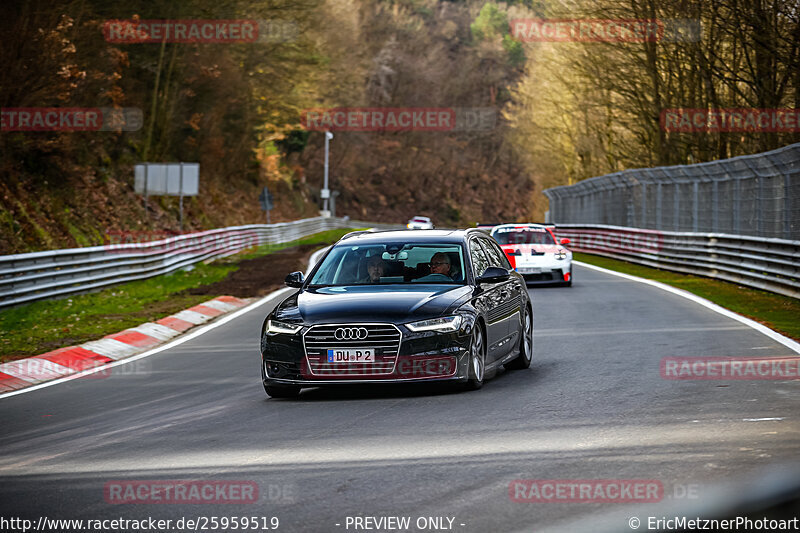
(399, 306)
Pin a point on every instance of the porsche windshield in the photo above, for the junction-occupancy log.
(527, 235)
(391, 263)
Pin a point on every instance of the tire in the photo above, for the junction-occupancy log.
(477, 360)
(523, 360)
(569, 283)
(278, 391)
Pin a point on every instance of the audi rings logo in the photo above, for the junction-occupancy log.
(347, 334)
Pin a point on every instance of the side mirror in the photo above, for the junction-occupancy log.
(295, 279)
(565, 241)
(493, 275)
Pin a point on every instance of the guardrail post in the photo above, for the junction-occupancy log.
(659, 191)
(759, 208)
(714, 206)
(695, 205)
(737, 200)
(787, 207)
(676, 221)
(644, 205)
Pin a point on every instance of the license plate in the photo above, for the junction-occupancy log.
(362, 355)
(529, 270)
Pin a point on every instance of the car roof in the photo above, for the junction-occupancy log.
(421, 236)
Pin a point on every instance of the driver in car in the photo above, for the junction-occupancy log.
(440, 269)
(376, 267)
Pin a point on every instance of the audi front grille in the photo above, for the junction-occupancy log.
(384, 338)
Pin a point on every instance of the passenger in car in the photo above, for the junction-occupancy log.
(376, 267)
(440, 269)
(440, 264)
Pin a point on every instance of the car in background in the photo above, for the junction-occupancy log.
(416, 321)
(535, 252)
(420, 223)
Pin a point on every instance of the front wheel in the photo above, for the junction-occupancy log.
(477, 360)
(523, 360)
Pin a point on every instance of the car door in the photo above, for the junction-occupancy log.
(487, 301)
(509, 298)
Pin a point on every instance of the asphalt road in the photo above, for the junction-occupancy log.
(592, 406)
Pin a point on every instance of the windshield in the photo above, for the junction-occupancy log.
(391, 263)
(527, 235)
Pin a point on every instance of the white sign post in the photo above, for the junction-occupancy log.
(167, 179)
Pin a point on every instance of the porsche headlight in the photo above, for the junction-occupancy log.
(561, 254)
(273, 326)
(444, 324)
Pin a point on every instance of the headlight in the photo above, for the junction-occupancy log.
(561, 254)
(273, 326)
(448, 323)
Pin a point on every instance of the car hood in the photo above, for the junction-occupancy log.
(363, 303)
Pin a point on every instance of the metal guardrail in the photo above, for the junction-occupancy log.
(763, 263)
(756, 195)
(40, 275)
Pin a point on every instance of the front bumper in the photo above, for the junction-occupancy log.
(545, 271)
(422, 356)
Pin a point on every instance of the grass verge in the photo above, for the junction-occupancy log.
(46, 325)
(775, 311)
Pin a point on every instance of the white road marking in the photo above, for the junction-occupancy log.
(774, 335)
(762, 419)
(196, 333)
(176, 342)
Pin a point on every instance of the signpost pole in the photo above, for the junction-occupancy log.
(146, 171)
(181, 197)
(328, 137)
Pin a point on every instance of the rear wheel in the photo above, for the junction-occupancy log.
(523, 360)
(477, 359)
